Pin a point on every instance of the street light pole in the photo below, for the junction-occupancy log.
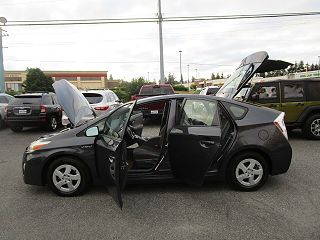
(188, 79)
(161, 43)
(2, 83)
(181, 79)
(319, 67)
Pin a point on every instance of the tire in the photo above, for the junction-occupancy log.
(16, 128)
(1, 123)
(240, 167)
(311, 127)
(68, 177)
(52, 124)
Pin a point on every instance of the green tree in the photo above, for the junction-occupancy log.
(37, 81)
(218, 76)
(171, 78)
(213, 76)
(110, 77)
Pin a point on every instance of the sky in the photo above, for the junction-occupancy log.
(132, 50)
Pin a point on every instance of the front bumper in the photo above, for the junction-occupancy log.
(32, 169)
(26, 121)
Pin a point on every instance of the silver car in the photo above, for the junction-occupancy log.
(4, 100)
(100, 101)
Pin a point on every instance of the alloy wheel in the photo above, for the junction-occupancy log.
(66, 178)
(249, 172)
(315, 127)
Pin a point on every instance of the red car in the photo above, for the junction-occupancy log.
(151, 90)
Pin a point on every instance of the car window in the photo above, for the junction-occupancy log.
(30, 99)
(212, 91)
(237, 112)
(3, 99)
(108, 97)
(199, 113)
(47, 100)
(115, 97)
(54, 99)
(293, 91)
(314, 90)
(265, 93)
(93, 98)
(115, 123)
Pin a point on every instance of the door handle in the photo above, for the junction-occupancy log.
(206, 144)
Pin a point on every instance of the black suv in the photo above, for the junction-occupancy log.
(298, 98)
(34, 109)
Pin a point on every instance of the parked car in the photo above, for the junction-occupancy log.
(34, 109)
(211, 90)
(299, 99)
(4, 100)
(201, 138)
(99, 100)
(152, 90)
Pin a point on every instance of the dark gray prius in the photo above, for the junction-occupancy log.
(200, 138)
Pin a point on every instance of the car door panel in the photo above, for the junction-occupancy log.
(192, 151)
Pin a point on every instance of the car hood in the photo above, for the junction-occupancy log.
(255, 63)
(74, 104)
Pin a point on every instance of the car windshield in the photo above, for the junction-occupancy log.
(156, 90)
(93, 97)
(34, 100)
(212, 91)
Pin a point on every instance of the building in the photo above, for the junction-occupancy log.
(81, 79)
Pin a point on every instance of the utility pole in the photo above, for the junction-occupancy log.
(161, 43)
(319, 67)
(188, 79)
(2, 83)
(181, 78)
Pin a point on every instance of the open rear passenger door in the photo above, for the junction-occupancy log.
(111, 152)
(194, 141)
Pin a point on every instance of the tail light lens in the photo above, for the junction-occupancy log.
(103, 108)
(279, 122)
(43, 109)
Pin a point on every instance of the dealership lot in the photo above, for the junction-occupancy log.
(287, 207)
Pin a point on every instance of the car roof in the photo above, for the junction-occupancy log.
(190, 96)
(96, 91)
(289, 80)
(34, 94)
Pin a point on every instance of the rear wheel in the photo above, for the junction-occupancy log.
(53, 123)
(68, 177)
(248, 171)
(311, 128)
(16, 128)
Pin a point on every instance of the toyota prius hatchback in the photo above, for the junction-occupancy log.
(198, 138)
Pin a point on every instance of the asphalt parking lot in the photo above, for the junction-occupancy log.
(287, 207)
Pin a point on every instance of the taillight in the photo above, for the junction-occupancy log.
(279, 122)
(43, 109)
(103, 108)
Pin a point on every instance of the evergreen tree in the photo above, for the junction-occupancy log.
(37, 81)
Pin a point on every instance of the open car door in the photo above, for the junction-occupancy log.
(111, 152)
(194, 141)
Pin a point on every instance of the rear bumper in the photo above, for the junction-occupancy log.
(26, 121)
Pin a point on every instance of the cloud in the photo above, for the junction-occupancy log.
(132, 50)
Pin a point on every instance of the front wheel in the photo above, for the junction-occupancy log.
(248, 172)
(311, 128)
(68, 177)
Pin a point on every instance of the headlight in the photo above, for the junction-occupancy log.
(37, 145)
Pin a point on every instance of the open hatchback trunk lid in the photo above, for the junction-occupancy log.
(74, 104)
(255, 63)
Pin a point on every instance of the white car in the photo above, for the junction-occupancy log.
(212, 90)
(100, 101)
(4, 100)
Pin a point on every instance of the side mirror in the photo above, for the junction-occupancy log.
(92, 132)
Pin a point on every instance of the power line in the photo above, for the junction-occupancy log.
(150, 20)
